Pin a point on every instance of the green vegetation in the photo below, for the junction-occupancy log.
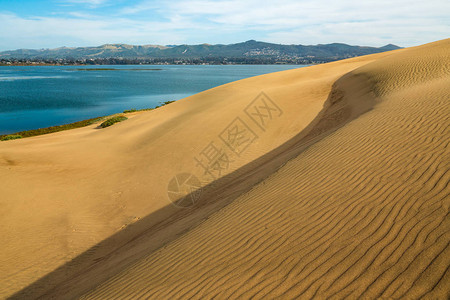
(164, 103)
(10, 137)
(40, 131)
(112, 121)
(136, 110)
(145, 109)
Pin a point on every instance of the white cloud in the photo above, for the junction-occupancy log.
(371, 33)
(90, 3)
(372, 23)
(55, 32)
(292, 13)
(140, 8)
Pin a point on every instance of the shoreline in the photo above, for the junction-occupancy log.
(73, 125)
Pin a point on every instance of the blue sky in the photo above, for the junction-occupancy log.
(55, 23)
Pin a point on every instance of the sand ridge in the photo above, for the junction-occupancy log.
(362, 213)
(330, 222)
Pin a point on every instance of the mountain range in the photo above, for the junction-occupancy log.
(247, 50)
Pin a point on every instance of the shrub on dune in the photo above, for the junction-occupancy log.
(112, 121)
(11, 137)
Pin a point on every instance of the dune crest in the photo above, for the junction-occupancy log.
(343, 192)
(361, 213)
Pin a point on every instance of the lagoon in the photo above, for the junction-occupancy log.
(41, 96)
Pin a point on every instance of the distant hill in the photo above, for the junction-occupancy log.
(104, 51)
(241, 51)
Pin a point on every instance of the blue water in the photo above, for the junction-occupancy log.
(36, 97)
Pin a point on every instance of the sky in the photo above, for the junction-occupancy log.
(40, 24)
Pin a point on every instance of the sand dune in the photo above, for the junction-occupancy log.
(339, 189)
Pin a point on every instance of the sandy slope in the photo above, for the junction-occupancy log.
(63, 193)
(360, 209)
(361, 213)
